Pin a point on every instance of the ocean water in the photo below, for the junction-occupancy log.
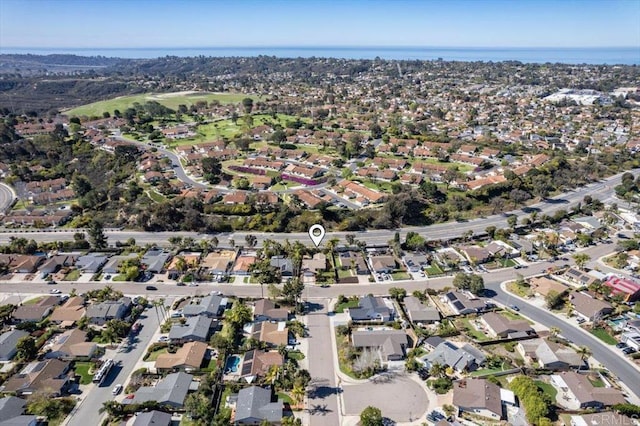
(612, 55)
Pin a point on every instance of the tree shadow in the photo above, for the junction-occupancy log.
(320, 409)
(322, 392)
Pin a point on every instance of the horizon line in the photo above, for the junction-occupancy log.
(314, 47)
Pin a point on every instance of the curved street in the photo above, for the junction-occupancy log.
(7, 196)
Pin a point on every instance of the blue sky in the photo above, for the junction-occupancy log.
(221, 23)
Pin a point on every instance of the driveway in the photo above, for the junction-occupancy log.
(398, 397)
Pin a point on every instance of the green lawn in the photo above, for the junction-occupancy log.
(433, 269)
(297, 355)
(170, 100)
(155, 196)
(119, 277)
(547, 389)
(472, 331)
(342, 306)
(596, 381)
(603, 335)
(82, 369)
(285, 398)
(400, 275)
(154, 355)
(72, 276)
(33, 301)
(522, 291)
(486, 372)
(344, 273)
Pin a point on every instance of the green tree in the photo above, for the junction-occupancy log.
(197, 405)
(397, 293)
(581, 259)
(26, 348)
(247, 104)
(292, 290)
(371, 416)
(96, 235)
(554, 300)
(472, 282)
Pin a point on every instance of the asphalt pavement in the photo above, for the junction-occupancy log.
(444, 231)
(6, 197)
(87, 412)
(322, 401)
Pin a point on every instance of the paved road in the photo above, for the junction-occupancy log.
(175, 161)
(443, 231)
(87, 413)
(322, 401)
(6, 197)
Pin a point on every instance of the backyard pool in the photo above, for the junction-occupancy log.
(232, 364)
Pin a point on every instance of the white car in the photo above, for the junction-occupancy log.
(54, 291)
(117, 389)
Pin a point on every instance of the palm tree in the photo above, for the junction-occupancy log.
(297, 393)
(437, 370)
(214, 242)
(554, 331)
(584, 352)
(581, 259)
(272, 374)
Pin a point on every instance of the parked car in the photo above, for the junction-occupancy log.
(514, 307)
(54, 291)
(151, 287)
(621, 345)
(117, 389)
(52, 282)
(628, 350)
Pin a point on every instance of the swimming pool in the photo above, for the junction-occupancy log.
(232, 364)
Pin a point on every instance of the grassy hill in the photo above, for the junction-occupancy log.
(170, 100)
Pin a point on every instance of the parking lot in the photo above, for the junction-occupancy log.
(399, 397)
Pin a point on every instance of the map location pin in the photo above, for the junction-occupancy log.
(316, 232)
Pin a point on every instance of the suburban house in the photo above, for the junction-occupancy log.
(578, 277)
(187, 358)
(544, 285)
(70, 345)
(432, 342)
(603, 418)
(91, 263)
(113, 263)
(461, 359)
(257, 362)
(588, 396)
(391, 343)
(372, 308)
(481, 398)
(47, 376)
(243, 264)
(195, 329)
(100, 313)
(155, 259)
(462, 303)
(315, 264)
(415, 262)
(21, 263)
(499, 326)
(212, 306)
(382, 264)
(354, 260)
(37, 311)
(589, 307)
(272, 333)
(266, 310)
(283, 264)
(631, 338)
(549, 355)
(54, 263)
(152, 418)
(476, 254)
(12, 411)
(419, 313)
(254, 406)
(171, 390)
(218, 263)
(9, 342)
(629, 289)
(71, 311)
